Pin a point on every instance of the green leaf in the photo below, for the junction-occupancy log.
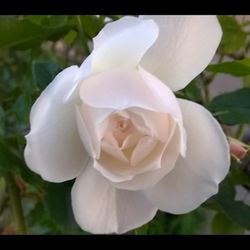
(236, 211)
(235, 68)
(192, 91)
(70, 37)
(239, 177)
(44, 72)
(233, 37)
(22, 107)
(165, 223)
(48, 21)
(37, 19)
(157, 226)
(30, 177)
(246, 81)
(91, 25)
(58, 203)
(232, 108)
(9, 160)
(2, 121)
(40, 221)
(55, 21)
(226, 189)
(221, 224)
(25, 34)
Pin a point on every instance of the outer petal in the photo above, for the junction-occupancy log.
(162, 93)
(89, 126)
(196, 177)
(100, 208)
(54, 148)
(119, 89)
(123, 43)
(185, 46)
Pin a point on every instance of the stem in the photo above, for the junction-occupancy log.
(80, 28)
(16, 205)
(206, 93)
(3, 204)
(81, 31)
(240, 131)
(208, 80)
(114, 17)
(212, 76)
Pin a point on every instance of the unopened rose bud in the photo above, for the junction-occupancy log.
(237, 148)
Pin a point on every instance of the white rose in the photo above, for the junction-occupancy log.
(115, 125)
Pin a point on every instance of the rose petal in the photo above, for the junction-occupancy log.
(156, 121)
(54, 149)
(84, 118)
(125, 176)
(142, 149)
(196, 177)
(185, 46)
(123, 43)
(101, 209)
(112, 168)
(119, 89)
(160, 166)
(169, 101)
(114, 151)
(85, 69)
(139, 121)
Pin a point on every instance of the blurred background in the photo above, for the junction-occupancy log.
(34, 49)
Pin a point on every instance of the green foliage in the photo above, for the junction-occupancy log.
(44, 72)
(22, 107)
(49, 21)
(54, 213)
(246, 81)
(2, 125)
(25, 34)
(58, 202)
(237, 211)
(192, 91)
(70, 37)
(234, 36)
(9, 159)
(232, 108)
(164, 223)
(26, 69)
(223, 225)
(239, 177)
(91, 25)
(235, 68)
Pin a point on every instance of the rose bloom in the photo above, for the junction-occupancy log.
(116, 126)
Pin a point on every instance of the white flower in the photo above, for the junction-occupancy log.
(115, 125)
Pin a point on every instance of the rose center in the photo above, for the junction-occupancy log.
(121, 128)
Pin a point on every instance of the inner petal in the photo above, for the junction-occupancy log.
(142, 149)
(114, 151)
(131, 143)
(131, 134)
(157, 122)
(121, 130)
(121, 135)
(121, 127)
